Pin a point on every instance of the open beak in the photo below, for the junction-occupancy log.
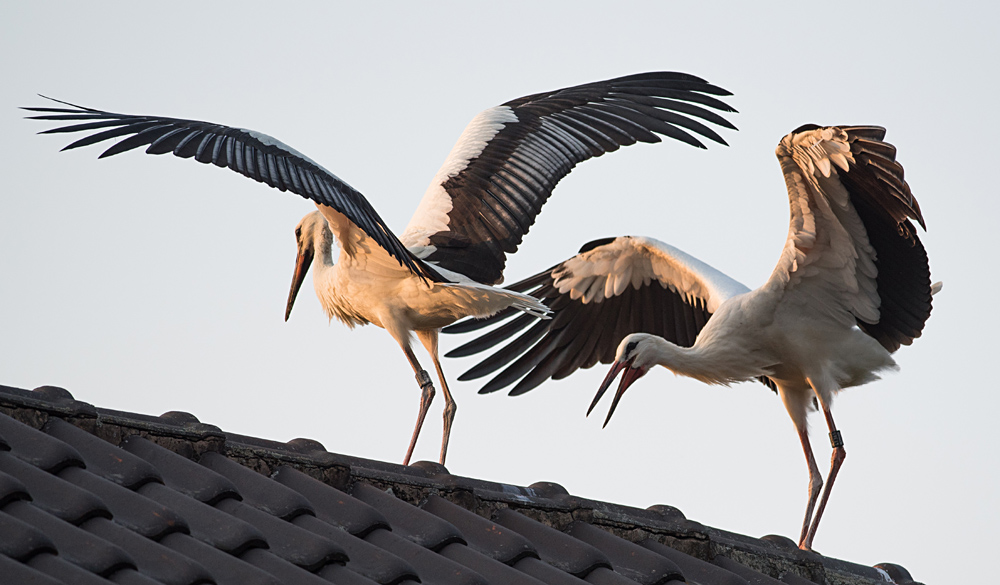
(302, 264)
(631, 375)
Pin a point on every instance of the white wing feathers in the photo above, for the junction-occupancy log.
(607, 271)
(827, 258)
(431, 215)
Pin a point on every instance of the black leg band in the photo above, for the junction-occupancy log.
(836, 440)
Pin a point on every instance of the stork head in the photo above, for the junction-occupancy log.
(312, 227)
(636, 354)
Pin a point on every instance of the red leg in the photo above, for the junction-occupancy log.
(426, 396)
(815, 485)
(836, 460)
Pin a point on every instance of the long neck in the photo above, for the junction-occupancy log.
(712, 363)
(324, 273)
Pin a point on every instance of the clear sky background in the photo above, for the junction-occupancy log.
(151, 284)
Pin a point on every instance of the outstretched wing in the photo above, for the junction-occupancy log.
(612, 288)
(508, 160)
(852, 253)
(252, 154)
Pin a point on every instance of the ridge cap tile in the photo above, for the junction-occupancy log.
(130, 509)
(432, 567)
(102, 458)
(207, 523)
(259, 490)
(493, 570)
(73, 543)
(423, 528)
(286, 540)
(332, 505)
(695, 569)
(556, 548)
(627, 558)
(483, 535)
(750, 574)
(364, 558)
(182, 474)
(20, 540)
(53, 494)
(152, 558)
(37, 448)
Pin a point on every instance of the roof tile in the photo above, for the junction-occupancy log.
(282, 570)
(286, 540)
(182, 474)
(77, 546)
(225, 568)
(485, 536)
(342, 575)
(130, 509)
(423, 528)
(37, 448)
(556, 548)
(605, 576)
(258, 490)
(505, 550)
(493, 570)
(22, 574)
(332, 505)
(58, 568)
(102, 458)
(695, 570)
(433, 568)
(629, 559)
(20, 540)
(366, 559)
(54, 495)
(207, 524)
(11, 489)
(546, 573)
(153, 559)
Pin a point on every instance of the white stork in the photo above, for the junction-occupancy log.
(852, 285)
(476, 210)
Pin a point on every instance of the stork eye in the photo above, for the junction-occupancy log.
(298, 232)
(630, 347)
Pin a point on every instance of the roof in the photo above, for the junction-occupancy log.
(91, 495)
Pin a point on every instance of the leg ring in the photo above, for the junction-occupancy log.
(836, 440)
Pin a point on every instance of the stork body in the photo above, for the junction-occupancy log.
(476, 210)
(852, 284)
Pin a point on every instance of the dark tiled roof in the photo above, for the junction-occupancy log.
(90, 495)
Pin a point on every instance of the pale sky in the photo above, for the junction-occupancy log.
(150, 284)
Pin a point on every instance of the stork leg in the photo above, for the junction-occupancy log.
(430, 340)
(815, 485)
(836, 460)
(797, 400)
(426, 396)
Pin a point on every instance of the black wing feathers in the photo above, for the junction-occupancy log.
(496, 198)
(579, 335)
(253, 155)
(885, 205)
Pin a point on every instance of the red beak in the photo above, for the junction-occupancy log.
(302, 264)
(631, 375)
